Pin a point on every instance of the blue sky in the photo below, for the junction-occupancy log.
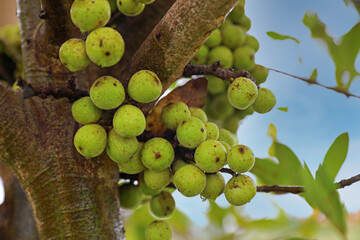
(316, 116)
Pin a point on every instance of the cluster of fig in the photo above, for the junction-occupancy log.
(104, 46)
(213, 149)
(161, 169)
(234, 48)
(107, 93)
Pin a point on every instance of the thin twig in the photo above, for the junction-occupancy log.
(214, 69)
(229, 171)
(69, 92)
(280, 189)
(312, 81)
(300, 189)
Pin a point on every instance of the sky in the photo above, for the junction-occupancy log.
(316, 116)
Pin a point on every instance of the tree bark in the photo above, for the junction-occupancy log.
(73, 197)
(176, 39)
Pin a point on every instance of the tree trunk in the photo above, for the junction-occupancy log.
(73, 197)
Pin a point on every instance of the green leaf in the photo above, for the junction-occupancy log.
(289, 163)
(322, 194)
(335, 156)
(264, 224)
(313, 75)
(343, 53)
(278, 36)
(286, 172)
(284, 109)
(268, 172)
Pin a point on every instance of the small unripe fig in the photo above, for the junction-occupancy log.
(198, 113)
(240, 190)
(129, 121)
(90, 14)
(105, 46)
(130, 7)
(144, 86)
(242, 92)
(215, 185)
(226, 146)
(265, 101)
(215, 85)
(220, 108)
(210, 156)
(158, 230)
(134, 164)
(157, 179)
(259, 73)
(244, 58)
(243, 113)
(214, 39)
(130, 196)
(72, 54)
(90, 140)
(232, 123)
(145, 189)
(177, 164)
(191, 132)
(226, 23)
(157, 154)
(233, 36)
(252, 42)
(201, 56)
(120, 149)
(245, 22)
(237, 13)
(189, 180)
(222, 54)
(228, 137)
(107, 93)
(162, 205)
(113, 5)
(240, 158)
(174, 113)
(212, 131)
(84, 111)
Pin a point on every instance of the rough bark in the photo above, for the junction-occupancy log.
(175, 40)
(73, 197)
(16, 217)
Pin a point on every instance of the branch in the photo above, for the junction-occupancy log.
(311, 81)
(215, 70)
(176, 38)
(300, 189)
(70, 92)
